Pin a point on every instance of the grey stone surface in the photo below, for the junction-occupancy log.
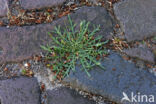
(142, 53)
(19, 91)
(97, 16)
(119, 76)
(66, 96)
(18, 43)
(3, 8)
(137, 17)
(94, 1)
(37, 4)
(154, 50)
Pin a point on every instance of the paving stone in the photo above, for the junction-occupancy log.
(19, 91)
(137, 17)
(66, 96)
(3, 8)
(97, 16)
(154, 51)
(37, 4)
(94, 1)
(119, 76)
(18, 43)
(141, 53)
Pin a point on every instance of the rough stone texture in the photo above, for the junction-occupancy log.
(66, 96)
(3, 8)
(18, 43)
(94, 1)
(154, 50)
(37, 4)
(97, 16)
(141, 53)
(19, 91)
(119, 76)
(137, 17)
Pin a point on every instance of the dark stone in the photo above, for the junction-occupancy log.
(19, 91)
(66, 96)
(141, 53)
(95, 2)
(137, 17)
(1, 50)
(97, 16)
(20, 43)
(3, 8)
(119, 76)
(37, 4)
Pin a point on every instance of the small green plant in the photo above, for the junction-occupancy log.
(72, 46)
(24, 71)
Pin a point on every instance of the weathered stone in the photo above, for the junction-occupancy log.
(37, 4)
(19, 91)
(141, 53)
(154, 51)
(18, 43)
(137, 17)
(66, 96)
(97, 16)
(94, 1)
(1, 50)
(119, 76)
(3, 8)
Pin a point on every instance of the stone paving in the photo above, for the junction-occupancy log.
(3, 8)
(66, 96)
(38, 4)
(19, 91)
(141, 52)
(128, 69)
(138, 18)
(24, 42)
(118, 76)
